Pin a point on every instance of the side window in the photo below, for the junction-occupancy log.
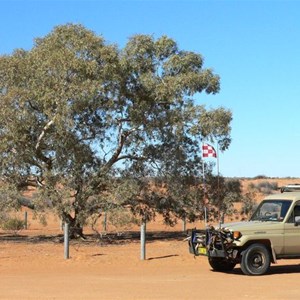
(295, 213)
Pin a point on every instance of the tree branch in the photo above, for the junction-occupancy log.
(132, 157)
(43, 133)
(123, 135)
(26, 202)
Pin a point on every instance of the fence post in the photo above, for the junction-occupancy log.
(143, 240)
(184, 224)
(105, 222)
(25, 220)
(66, 241)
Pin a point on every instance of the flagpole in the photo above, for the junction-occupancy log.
(218, 169)
(204, 187)
(218, 173)
(208, 151)
(218, 180)
(204, 192)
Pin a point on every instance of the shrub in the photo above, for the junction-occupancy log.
(13, 224)
(121, 219)
(260, 177)
(264, 187)
(267, 187)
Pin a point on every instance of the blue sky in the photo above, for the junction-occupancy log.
(253, 45)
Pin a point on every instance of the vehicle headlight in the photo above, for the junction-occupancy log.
(237, 235)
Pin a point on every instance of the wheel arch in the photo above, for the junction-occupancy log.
(267, 243)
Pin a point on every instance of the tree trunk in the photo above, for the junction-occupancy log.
(76, 229)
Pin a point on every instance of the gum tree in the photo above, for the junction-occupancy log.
(76, 112)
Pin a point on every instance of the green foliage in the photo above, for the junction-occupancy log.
(13, 225)
(121, 219)
(248, 201)
(223, 193)
(78, 114)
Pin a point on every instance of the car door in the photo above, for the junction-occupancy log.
(292, 232)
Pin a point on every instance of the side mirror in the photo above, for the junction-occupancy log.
(297, 220)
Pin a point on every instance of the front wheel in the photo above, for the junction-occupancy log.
(256, 260)
(221, 264)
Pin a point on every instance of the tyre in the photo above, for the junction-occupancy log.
(256, 260)
(221, 264)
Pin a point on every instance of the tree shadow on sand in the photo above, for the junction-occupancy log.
(162, 257)
(103, 239)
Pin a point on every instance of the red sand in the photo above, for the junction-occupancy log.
(39, 271)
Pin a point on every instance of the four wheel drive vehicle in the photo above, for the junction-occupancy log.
(272, 233)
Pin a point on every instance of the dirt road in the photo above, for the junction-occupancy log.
(39, 271)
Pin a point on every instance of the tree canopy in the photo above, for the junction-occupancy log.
(81, 118)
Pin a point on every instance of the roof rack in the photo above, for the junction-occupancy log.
(290, 188)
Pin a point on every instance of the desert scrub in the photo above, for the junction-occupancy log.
(13, 225)
(264, 187)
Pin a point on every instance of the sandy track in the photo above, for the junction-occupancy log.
(39, 271)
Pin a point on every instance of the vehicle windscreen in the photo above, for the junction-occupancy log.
(271, 210)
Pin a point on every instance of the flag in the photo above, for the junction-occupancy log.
(208, 151)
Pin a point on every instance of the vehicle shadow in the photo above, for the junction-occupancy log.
(288, 269)
(274, 270)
